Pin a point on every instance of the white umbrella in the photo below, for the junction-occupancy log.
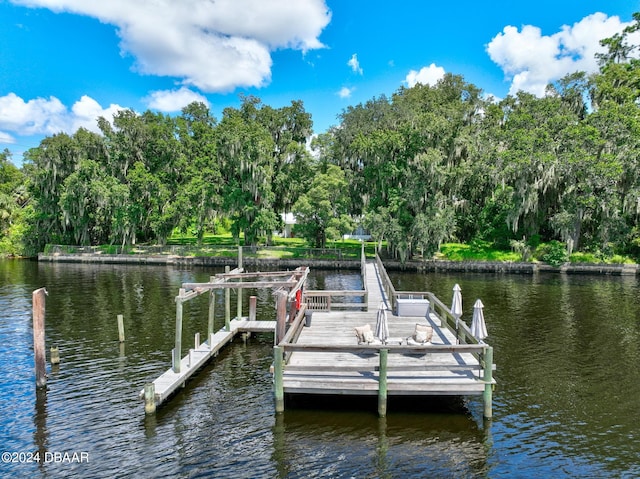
(382, 326)
(456, 304)
(478, 327)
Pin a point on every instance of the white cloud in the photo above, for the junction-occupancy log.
(38, 116)
(6, 138)
(531, 60)
(355, 64)
(173, 100)
(345, 92)
(48, 116)
(215, 46)
(427, 76)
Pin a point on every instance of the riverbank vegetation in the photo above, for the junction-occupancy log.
(550, 179)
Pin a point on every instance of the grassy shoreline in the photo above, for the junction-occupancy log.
(226, 246)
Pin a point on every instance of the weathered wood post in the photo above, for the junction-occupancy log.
(54, 355)
(149, 398)
(488, 379)
(212, 311)
(382, 383)
(281, 315)
(227, 305)
(278, 369)
(121, 328)
(253, 303)
(177, 351)
(239, 306)
(39, 311)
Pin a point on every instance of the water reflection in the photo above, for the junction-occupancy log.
(40, 435)
(337, 443)
(563, 345)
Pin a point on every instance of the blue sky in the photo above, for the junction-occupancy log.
(63, 63)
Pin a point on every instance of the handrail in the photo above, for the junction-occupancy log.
(295, 328)
(363, 275)
(386, 283)
(481, 351)
(462, 331)
(396, 348)
(323, 299)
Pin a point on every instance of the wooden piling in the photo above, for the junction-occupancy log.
(39, 309)
(278, 385)
(382, 384)
(212, 310)
(54, 355)
(121, 328)
(227, 305)
(488, 387)
(239, 305)
(178, 342)
(253, 303)
(149, 398)
(281, 315)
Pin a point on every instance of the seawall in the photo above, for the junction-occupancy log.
(413, 266)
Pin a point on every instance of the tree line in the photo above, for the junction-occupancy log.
(426, 165)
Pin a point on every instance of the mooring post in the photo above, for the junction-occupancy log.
(382, 384)
(278, 369)
(227, 305)
(212, 311)
(178, 346)
(239, 306)
(121, 328)
(149, 398)
(39, 311)
(253, 303)
(54, 355)
(488, 379)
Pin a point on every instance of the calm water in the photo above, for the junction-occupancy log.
(567, 350)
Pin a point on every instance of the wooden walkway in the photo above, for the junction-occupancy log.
(170, 381)
(325, 358)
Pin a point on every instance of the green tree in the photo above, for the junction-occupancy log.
(200, 199)
(321, 212)
(245, 151)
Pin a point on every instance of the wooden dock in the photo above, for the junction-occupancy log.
(325, 357)
(316, 349)
(170, 381)
(286, 285)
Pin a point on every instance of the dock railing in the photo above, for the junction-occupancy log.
(387, 285)
(328, 300)
(284, 349)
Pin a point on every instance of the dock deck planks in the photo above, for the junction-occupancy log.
(410, 372)
(170, 381)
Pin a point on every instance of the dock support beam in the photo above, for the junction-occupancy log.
(253, 305)
(239, 305)
(149, 398)
(120, 319)
(382, 384)
(281, 315)
(278, 369)
(488, 379)
(178, 344)
(227, 305)
(212, 311)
